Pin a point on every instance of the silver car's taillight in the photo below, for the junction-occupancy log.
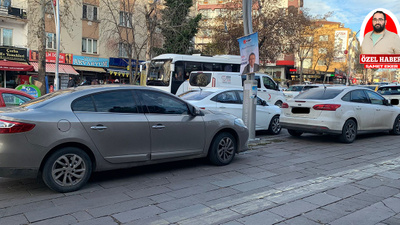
(9, 127)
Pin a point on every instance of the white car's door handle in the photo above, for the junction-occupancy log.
(98, 127)
(222, 107)
(358, 108)
(158, 126)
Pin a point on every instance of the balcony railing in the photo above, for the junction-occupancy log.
(11, 11)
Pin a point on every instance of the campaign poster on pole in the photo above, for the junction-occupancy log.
(249, 54)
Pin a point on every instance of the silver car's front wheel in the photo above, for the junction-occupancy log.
(67, 170)
(223, 149)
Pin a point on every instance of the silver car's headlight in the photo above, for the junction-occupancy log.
(239, 122)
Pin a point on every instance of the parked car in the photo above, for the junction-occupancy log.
(65, 135)
(341, 110)
(294, 90)
(231, 101)
(12, 97)
(267, 88)
(390, 92)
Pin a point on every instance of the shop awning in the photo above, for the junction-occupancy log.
(118, 72)
(14, 66)
(90, 69)
(51, 68)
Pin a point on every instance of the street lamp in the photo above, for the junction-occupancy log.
(349, 58)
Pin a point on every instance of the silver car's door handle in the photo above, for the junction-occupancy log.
(98, 127)
(158, 126)
(222, 107)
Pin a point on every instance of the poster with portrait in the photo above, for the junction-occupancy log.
(249, 54)
(341, 38)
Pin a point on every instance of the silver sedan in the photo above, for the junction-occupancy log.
(66, 135)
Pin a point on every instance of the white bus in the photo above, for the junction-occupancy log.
(168, 71)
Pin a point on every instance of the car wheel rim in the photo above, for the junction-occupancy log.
(68, 170)
(276, 126)
(226, 149)
(350, 131)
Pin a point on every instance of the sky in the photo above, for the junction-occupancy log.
(350, 12)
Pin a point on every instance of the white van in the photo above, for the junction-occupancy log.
(268, 89)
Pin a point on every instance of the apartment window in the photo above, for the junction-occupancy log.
(51, 40)
(321, 62)
(89, 45)
(6, 36)
(123, 47)
(125, 19)
(89, 12)
(5, 3)
(323, 38)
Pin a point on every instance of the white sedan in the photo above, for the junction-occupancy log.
(231, 101)
(341, 110)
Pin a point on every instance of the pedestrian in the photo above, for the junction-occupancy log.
(71, 82)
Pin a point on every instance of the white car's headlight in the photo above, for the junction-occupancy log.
(239, 122)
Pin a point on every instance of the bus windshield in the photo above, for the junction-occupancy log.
(159, 73)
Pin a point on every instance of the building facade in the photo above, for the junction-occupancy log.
(94, 37)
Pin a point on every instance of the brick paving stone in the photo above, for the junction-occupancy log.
(109, 209)
(261, 218)
(186, 213)
(299, 220)
(292, 209)
(321, 199)
(82, 216)
(322, 216)
(16, 219)
(232, 181)
(252, 185)
(393, 204)
(345, 191)
(216, 217)
(370, 182)
(383, 191)
(67, 219)
(185, 192)
(99, 221)
(141, 213)
(155, 220)
(367, 216)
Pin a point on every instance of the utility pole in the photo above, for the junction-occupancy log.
(249, 99)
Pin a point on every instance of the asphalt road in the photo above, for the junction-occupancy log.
(281, 180)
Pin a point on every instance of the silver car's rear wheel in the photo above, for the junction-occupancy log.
(349, 132)
(67, 170)
(223, 149)
(274, 126)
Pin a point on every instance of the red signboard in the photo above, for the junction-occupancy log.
(292, 70)
(51, 57)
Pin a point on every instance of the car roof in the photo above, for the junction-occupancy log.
(14, 91)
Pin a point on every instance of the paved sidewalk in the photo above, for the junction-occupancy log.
(281, 180)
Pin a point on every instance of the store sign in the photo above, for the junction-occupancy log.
(51, 57)
(29, 89)
(90, 61)
(13, 54)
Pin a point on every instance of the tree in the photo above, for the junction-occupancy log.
(177, 28)
(37, 28)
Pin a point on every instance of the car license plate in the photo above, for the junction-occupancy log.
(300, 110)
